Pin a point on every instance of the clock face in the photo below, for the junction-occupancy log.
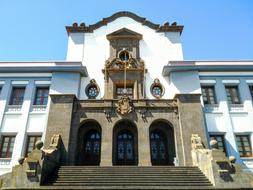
(92, 92)
(157, 91)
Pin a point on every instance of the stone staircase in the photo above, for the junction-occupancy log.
(127, 177)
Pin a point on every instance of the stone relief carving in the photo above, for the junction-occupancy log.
(196, 142)
(55, 141)
(117, 63)
(124, 105)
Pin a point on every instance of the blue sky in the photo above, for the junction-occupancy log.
(214, 29)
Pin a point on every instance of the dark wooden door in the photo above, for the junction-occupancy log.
(125, 148)
(159, 148)
(92, 144)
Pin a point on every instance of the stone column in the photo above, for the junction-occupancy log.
(143, 144)
(59, 121)
(106, 144)
(191, 121)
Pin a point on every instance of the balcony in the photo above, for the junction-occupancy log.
(13, 109)
(5, 161)
(236, 108)
(211, 108)
(38, 108)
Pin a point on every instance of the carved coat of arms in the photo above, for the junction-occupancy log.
(124, 105)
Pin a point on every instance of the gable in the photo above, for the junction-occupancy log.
(158, 28)
(124, 33)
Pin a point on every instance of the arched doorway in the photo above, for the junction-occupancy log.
(89, 144)
(162, 146)
(125, 144)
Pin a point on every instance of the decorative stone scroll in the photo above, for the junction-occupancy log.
(131, 63)
(124, 105)
(196, 142)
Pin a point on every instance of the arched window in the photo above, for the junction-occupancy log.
(124, 56)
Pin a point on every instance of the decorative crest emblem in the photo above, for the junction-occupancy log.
(124, 105)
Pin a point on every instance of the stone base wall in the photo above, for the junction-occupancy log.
(220, 170)
(184, 114)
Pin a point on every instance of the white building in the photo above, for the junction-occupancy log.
(226, 86)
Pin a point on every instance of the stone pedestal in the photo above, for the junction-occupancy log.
(191, 121)
(59, 121)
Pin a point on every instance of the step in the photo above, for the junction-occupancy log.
(130, 179)
(130, 176)
(126, 168)
(129, 184)
(130, 169)
(129, 172)
(126, 187)
(123, 177)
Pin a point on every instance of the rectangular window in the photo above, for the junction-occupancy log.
(30, 145)
(232, 95)
(17, 96)
(7, 145)
(41, 96)
(120, 91)
(208, 94)
(251, 91)
(221, 142)
(243, 145)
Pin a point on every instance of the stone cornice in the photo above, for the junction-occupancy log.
(124, 33)
(207, 66)
(141, 103)
(43, 67)
(158, 28)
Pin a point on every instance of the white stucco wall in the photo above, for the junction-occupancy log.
(75, 46)
(36, 123)
(22, 121)
(65, 83)
(216, 123)
(184, 83)
(156, 49)
(230, 122)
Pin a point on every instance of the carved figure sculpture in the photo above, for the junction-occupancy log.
(196, 142)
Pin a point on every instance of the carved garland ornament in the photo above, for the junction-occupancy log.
(92, 89)
(157, 89)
